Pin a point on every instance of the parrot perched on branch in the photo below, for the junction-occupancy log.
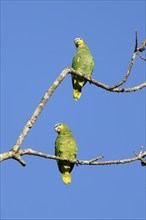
(65, 146)
(82, 62)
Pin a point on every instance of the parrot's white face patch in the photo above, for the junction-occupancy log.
(77, 39)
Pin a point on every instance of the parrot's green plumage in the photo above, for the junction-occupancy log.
(82, 62)
(65, 146)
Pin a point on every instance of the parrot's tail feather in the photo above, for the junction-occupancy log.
(76, 94)
(66, 177)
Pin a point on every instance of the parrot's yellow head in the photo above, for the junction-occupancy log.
(79, 42)
(61, 128)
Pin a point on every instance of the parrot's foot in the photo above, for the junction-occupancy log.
(77, 162)
(90, 79)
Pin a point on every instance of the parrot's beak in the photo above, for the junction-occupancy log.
(78, 41)
(57, 128)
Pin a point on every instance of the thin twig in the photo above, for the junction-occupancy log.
(143, 58)
(143, 162)
(95, 159)
(133, 89)
(127, 74)
(136, 41)
(130, 65)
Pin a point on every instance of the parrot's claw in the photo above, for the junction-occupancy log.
(90, 79)
(77, 162)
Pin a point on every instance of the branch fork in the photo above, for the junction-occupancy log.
(16, 153)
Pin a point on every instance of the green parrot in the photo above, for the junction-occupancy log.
(82, 62)
(65, 146)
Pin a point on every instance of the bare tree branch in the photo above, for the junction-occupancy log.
(10, 154)
(142, 47)
(106, 87)
(143, 162)
(16, 153)
(133, 89)
(38, 110)
(60, 78)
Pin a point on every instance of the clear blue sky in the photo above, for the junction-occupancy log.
(36, 45)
